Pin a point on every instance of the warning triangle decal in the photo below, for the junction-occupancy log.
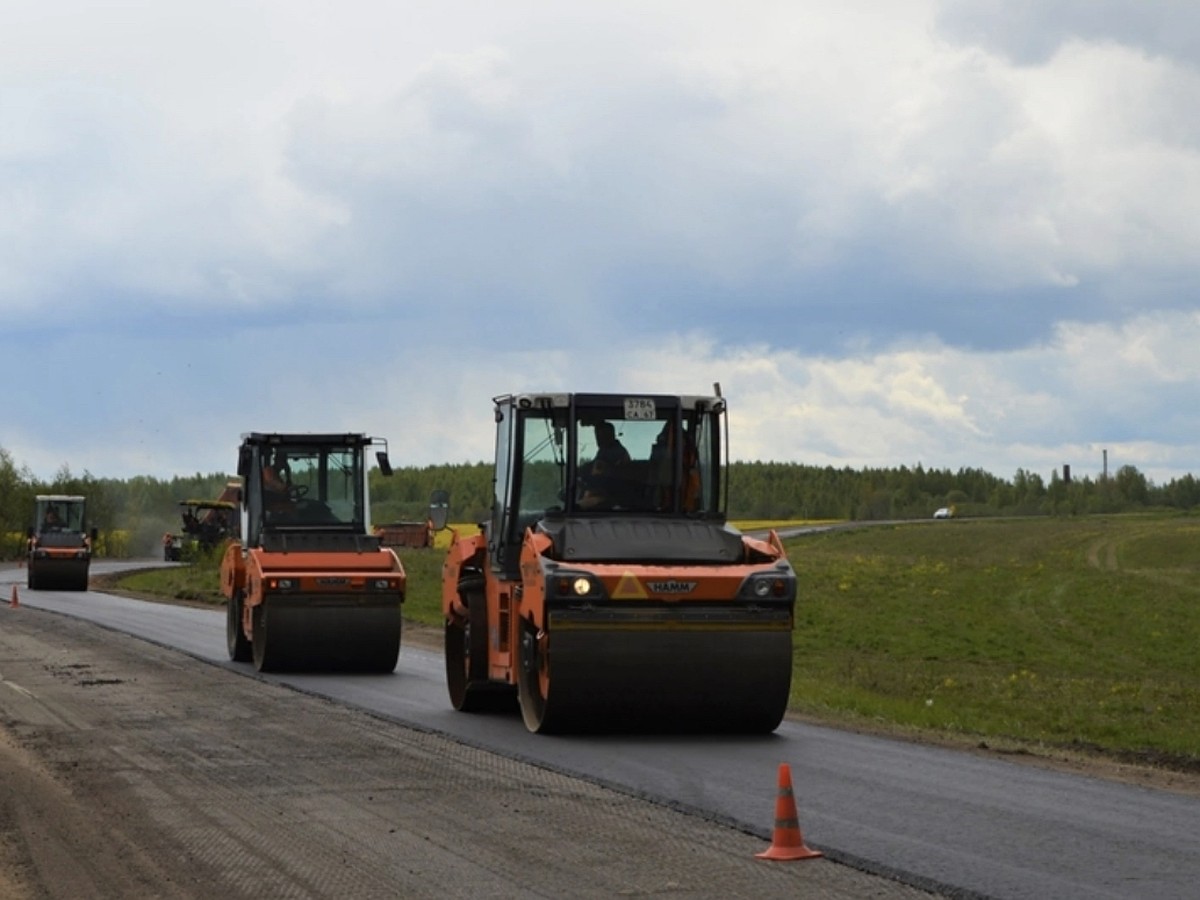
(629, 588)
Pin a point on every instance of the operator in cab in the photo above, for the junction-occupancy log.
(603, 479)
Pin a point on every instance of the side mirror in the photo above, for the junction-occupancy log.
(385, 465)
(439, 509)
(94, 534)
(244, 455)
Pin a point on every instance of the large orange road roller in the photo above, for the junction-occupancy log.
(308, 586)
(608, 592)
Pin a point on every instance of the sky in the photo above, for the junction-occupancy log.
(954, 233)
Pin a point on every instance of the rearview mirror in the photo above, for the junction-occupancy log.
(385, 465)
(244, 457)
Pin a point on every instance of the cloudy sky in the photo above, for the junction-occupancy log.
(961, 233)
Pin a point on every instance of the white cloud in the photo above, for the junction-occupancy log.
(1092, 386)
(720, 144)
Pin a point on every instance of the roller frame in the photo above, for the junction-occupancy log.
(325, 630)
(711, 665)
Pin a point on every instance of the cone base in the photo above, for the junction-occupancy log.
(789, 853)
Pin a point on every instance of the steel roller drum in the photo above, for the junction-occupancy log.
(662, 669)
(327, 633)
(59, 575)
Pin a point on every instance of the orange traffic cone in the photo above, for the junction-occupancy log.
(15, 601)
(787, 842)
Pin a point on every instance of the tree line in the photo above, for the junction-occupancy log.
(143, 508)
(788, 491)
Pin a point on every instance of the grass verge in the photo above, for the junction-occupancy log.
(1069, 633)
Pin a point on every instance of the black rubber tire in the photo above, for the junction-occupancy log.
(466, 650)
(266, 658)
(455, 651)
(535, 709)
(236, 642)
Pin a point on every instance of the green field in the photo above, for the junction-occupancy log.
(1037, 633)
(1059, 632)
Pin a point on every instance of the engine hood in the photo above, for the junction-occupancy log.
(640, 539)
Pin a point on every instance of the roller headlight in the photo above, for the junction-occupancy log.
(573, 585)
(769, 586)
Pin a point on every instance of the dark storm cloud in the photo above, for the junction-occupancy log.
(1031, 31)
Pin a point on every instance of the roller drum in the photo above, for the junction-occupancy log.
(326, 634)
(53, 574)
(668, 675)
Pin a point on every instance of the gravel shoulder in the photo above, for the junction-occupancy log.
(133, 771)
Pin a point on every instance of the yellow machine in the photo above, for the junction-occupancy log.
(206, 523)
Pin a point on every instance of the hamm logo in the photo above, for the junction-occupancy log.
(671, 587)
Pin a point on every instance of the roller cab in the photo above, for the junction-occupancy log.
(607, 592)
(309, 587)
(59, 545)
